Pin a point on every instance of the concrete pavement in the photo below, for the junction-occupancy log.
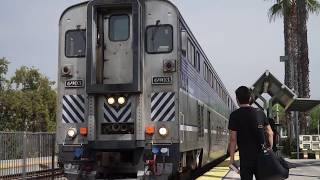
(303, 169)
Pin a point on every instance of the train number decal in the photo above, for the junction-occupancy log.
(161, 80)
(74, 83)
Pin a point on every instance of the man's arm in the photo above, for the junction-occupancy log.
(269, 133)
(232, 145)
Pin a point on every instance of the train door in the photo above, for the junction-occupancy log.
(118, 55)
(209, 132)
(200, 117)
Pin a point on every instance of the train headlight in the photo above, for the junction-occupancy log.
(163, 131)
(121, 100)
(72, 132)
(111, 100)
(67, 166)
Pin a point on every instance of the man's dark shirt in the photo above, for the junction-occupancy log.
(246, 121)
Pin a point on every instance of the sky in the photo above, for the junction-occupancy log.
(236, 36)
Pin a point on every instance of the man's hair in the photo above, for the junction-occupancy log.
(243, 95)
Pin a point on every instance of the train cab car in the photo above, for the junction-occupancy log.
(137, 96)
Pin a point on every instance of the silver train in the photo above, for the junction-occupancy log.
(137, 95)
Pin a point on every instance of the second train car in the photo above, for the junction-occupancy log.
(137, 96)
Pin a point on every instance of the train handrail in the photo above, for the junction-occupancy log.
(182, 116)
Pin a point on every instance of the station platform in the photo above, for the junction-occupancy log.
(220, 171)
(302, 169)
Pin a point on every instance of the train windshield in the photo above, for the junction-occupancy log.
(159, 39)
(75, 43)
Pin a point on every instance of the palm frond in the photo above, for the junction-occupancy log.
(288, 5)
(280, 8)
(275, 11)
(313, 6)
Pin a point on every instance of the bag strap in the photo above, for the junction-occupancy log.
(260, 129)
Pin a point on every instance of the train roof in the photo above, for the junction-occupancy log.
(70, 7)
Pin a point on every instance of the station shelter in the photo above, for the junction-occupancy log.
(268, 91)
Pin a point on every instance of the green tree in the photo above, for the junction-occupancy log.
(30, 105)
(295, 14)
(315, 118)
(3, 71)
(26, 78)
(279, 113)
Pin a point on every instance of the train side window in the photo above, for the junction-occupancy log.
(207, 73)
(159, 39)
(209, 76)
(217, 88)
(205, 69)
(191, 53)
(75, 43)
(119, 27)
(213, 82)
(197, 61)
(184, 43)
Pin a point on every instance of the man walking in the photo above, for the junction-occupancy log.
(243, 125)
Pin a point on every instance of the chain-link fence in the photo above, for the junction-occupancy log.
(26, 155)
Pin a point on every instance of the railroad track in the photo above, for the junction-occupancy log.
(58, 173)
(44, 174)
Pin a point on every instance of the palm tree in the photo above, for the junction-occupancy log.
(304, 7)
(287, 10)
(295, 14)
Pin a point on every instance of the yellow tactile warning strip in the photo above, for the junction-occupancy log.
(219, 171)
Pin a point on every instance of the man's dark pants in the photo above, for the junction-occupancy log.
(248, 168)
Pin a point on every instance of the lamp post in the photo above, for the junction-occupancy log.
(288, 80)
(277, 114)
(297, 134)
(318, 123)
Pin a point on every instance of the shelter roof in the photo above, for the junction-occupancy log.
(280, 93)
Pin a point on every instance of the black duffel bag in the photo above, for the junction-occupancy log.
(271, 167)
